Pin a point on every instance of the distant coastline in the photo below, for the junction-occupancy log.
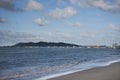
(42, 44)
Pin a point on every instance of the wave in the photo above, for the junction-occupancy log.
(84, 66)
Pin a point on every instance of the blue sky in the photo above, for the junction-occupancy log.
(84, 22)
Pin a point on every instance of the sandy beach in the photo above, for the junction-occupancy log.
(111, 72)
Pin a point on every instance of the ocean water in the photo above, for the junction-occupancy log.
(44, 63)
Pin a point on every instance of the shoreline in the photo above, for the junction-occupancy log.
(109, 72)
(49, 77)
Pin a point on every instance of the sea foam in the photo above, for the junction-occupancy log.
(85, 65)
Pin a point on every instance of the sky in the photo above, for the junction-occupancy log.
(83, 22)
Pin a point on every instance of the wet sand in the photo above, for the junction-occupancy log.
(111, 72)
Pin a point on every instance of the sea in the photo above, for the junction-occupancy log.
(45, 63)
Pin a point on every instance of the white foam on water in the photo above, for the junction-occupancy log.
(82, 67)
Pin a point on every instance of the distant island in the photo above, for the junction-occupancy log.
(45, 44)
(55, 44)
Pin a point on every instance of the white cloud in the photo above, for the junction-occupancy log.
(102, 4)
(75, 24)
(114, 27)
(2, 20)
(7, 4)
(118, 2)
(63, 13)
(10, 36)
(40, 22)
(33, 5)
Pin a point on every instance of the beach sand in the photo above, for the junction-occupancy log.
(111, 72)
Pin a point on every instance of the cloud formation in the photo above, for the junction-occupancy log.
(101, 4)
(33, 5)
(8, 36)
(78, 24)
(59, 13)
(7, 4)
(40, 22)
(114, 27)
(2, 20)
